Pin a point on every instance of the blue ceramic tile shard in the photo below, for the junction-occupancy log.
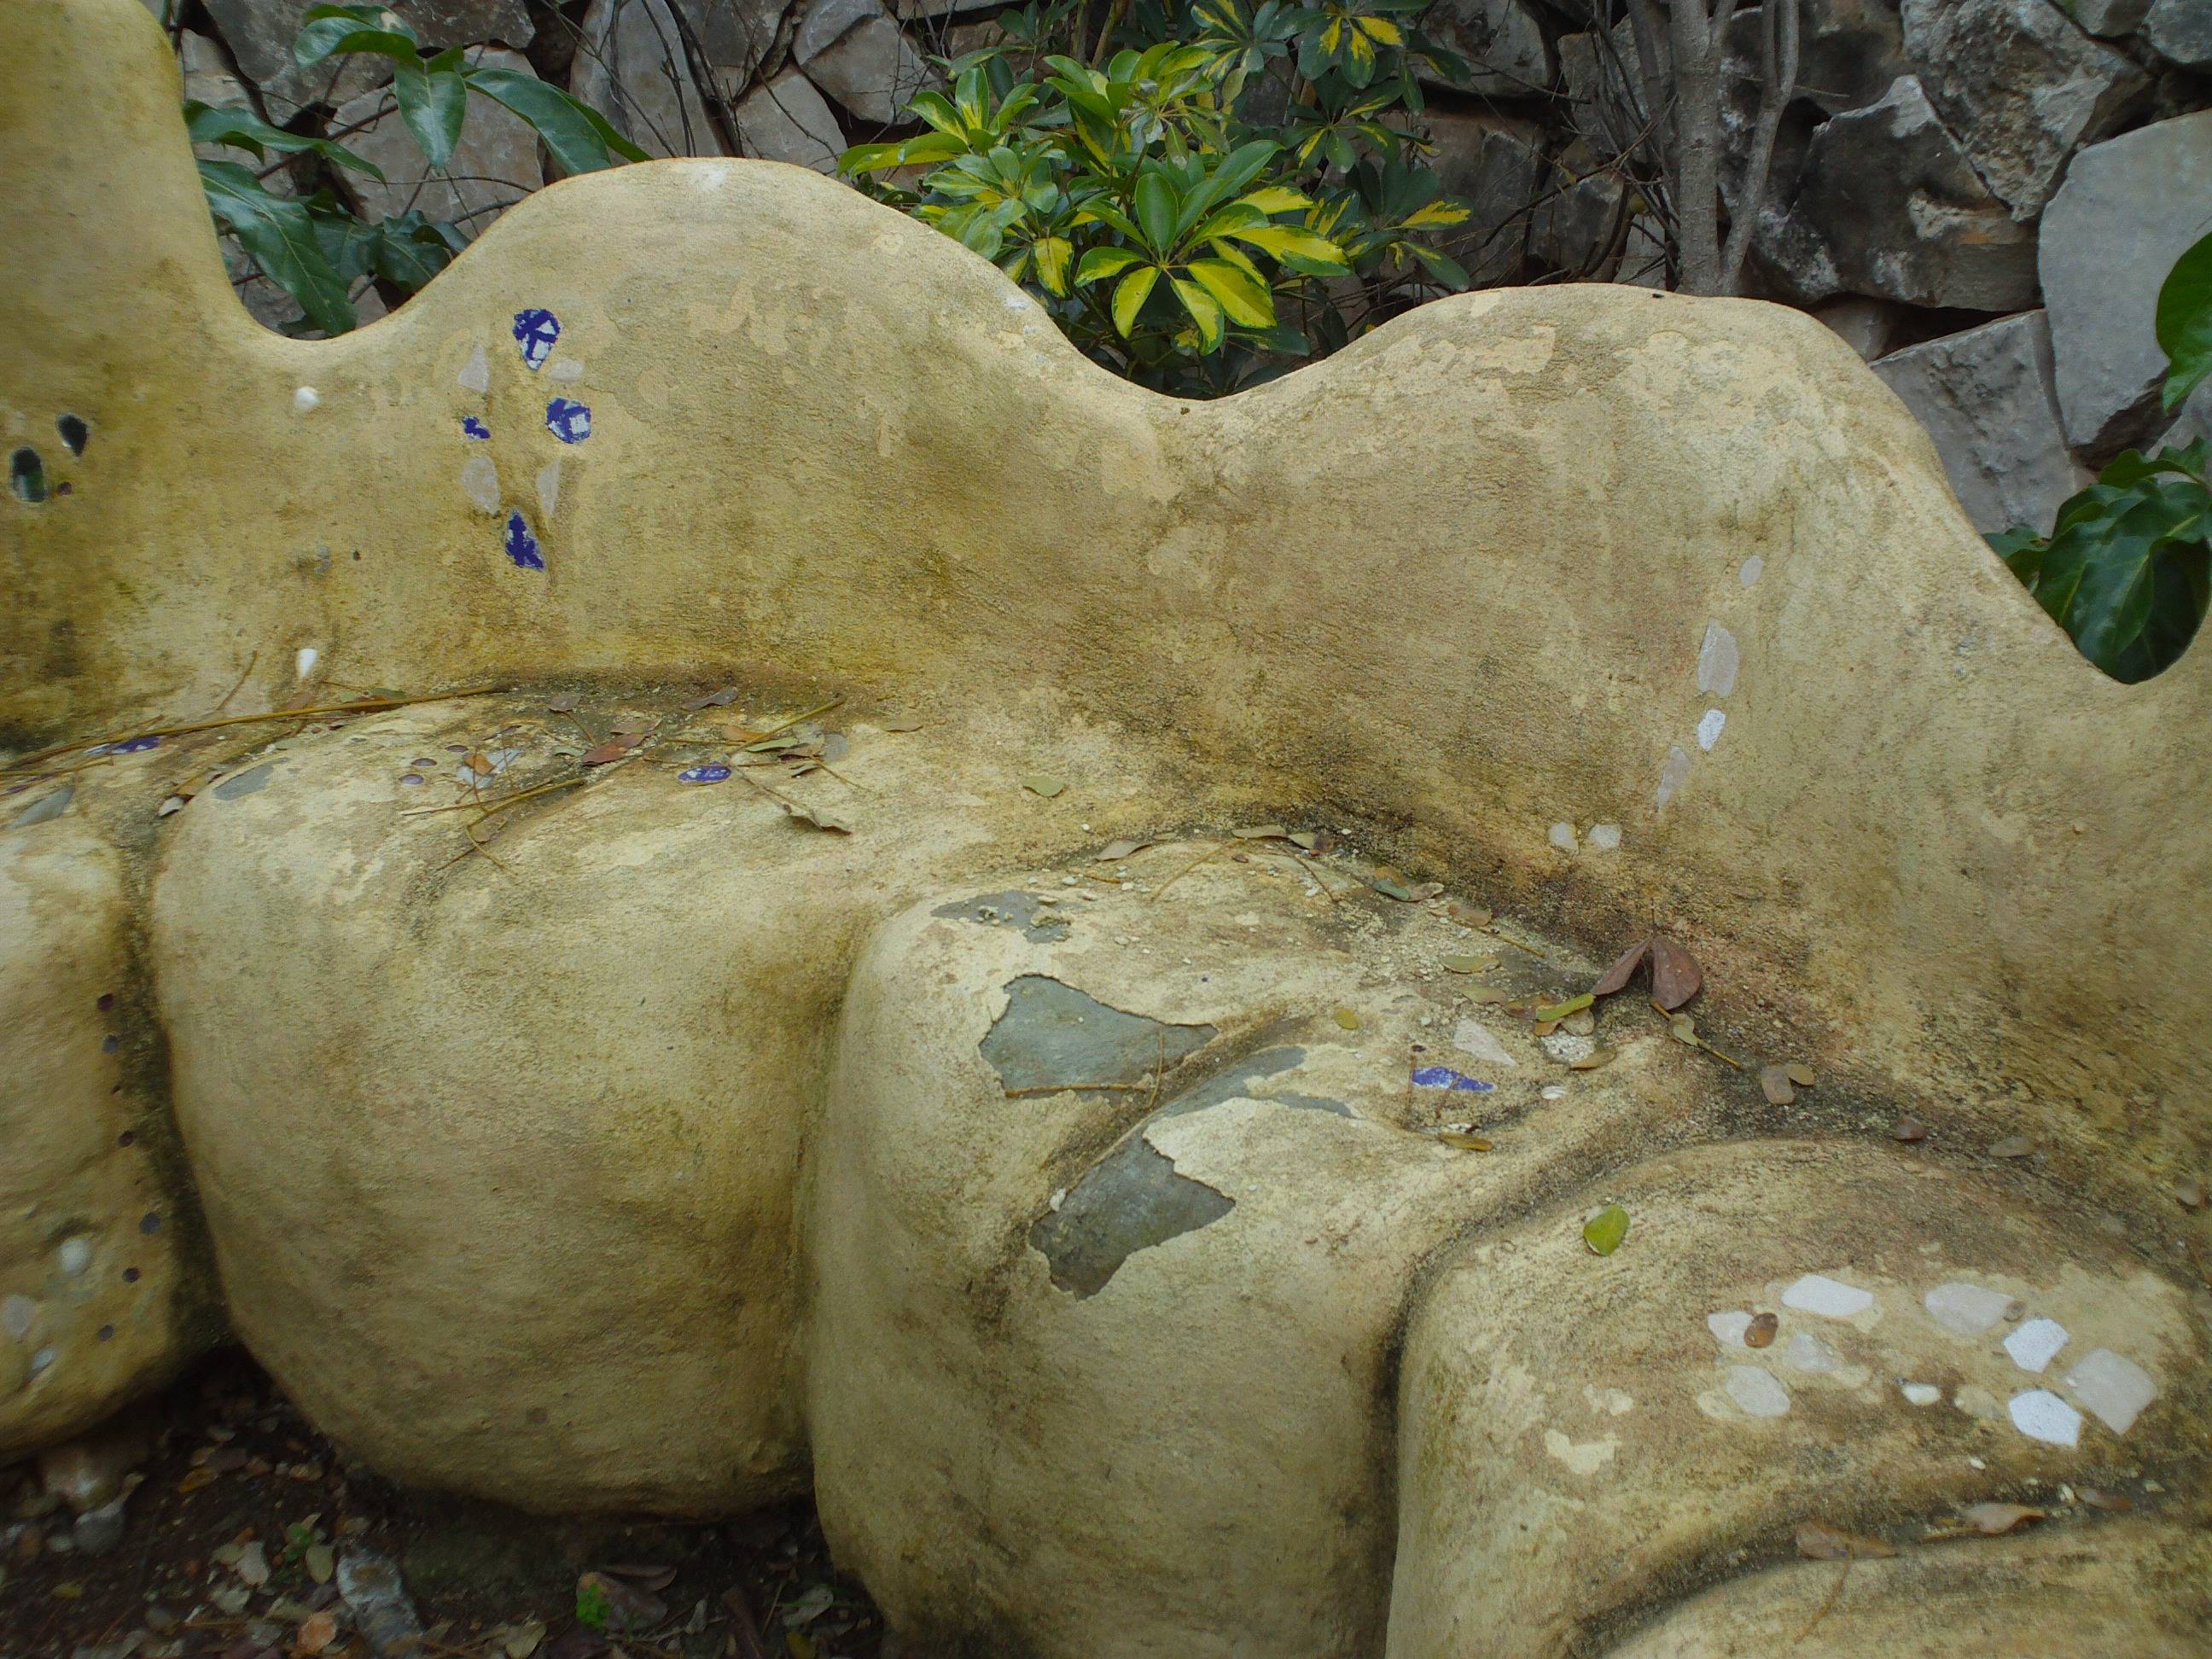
(473, 428)
(521, 545)
(568, 420)
(535, 330)
(128, 746)
(1442, 1077)
(703, 774)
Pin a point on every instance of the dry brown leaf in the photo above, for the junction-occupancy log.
(1910, 1130)
(721, 699)
(902, 725)
(1800, 1073)
(1591, 1061)
(1120, 849)
(1263, 832)
(631, 726)
(1461, 1139)
(651, 1575)
(612, 749)
(480, 763)
(1616, 977)
(1683, 1029)
(1819, 1542)
(1469, 915)
(1545, 1027)
(1760, 1334)
(1774, 1083)
(1994, 1520)
(2190, 1194)
(2113, 1502)
(1675, 976)
(566, 703)
(2012, 1146)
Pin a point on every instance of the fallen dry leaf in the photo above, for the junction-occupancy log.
(1800, 1073)
(2012, 1146)
(1559, 1010)
(821, 819)
(1604, 1231)
(1469, 915)
(1466, 964)
(1994, 1520)
(652, 1576)
(317, 1632)
(1760, 1334)
(1774, 1083)
(721, 699)
(1911, 1130)
(1038, 784)
(480, 763)
(902, 725)
(1114, 850)
(1593, 1060)
(1461, 1139)
(2190, 1194)
(566, 703)
(1819, 1542)
(1347, 1019)
(1616, 977)
(612, 749)
(1263, 832)
(1675, 976)
(2097, 1498)
(1683, 1029)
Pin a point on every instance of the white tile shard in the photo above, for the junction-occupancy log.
(2115, 1389)
(1727, 1328)
(1831, 1298)
(1674, 773)
(1750, 569)
(2036, 1344)
(475, 373)
(1718, 661)
(2042, 1415)
(1921, 1393)
(1471, 1036)
(1709, 729)
(1806, 1352)
(1966, 1310)
(1757, 1392)
(480, 482)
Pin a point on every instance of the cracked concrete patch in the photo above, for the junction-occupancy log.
(1129, 1200)
(1053, 1035)
(1014, 910)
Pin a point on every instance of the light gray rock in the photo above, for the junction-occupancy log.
(2021, 85)
(1605, 94)
(1576, 227)
(1888, 206)
(631, 67)
(2107, 17)
(1501, 41)
(2180, 31)
(787, 120)
(98, 1531)
(2128, 210)
(1985, 397)
(852, 50)
(1495, 164)
(736, 36)
(1849, 51)
(1872, 328)
(496, 163)
(260, 34)
(907, 11)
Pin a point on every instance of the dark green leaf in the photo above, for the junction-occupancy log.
(2185, 322)
(433, 102)
(281, 239)
(577, 134)
(241, 129)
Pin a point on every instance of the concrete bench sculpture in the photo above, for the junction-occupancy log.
(1085, 1244)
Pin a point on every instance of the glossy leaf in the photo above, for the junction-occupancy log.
(578, 135)
(2185, 322)
(434, 101)
(1129, 298)
(280, 236)
(241, 129)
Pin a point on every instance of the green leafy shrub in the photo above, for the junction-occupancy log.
(1231, 191)
(2127, 567)
(315, 248)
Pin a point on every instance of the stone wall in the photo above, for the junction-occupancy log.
(1981, 196)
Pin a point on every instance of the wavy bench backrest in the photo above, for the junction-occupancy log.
(1679, 572)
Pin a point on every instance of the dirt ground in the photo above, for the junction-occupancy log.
(241, 1524)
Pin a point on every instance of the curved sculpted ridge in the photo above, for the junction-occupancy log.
(685, 1155)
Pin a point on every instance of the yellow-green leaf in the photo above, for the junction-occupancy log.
(1283, 240)
(1104, 262)
(1205, 311)
(1052, 254)
(1445, 212)
(1604, 1232)
(1561, 1010)
(1276, 198)
(1247, 302)
(1382, 29)
(1129, 298)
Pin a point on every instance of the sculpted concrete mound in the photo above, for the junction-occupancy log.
(1081, 1229)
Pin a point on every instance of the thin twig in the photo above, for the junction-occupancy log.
(1078, 1088)
(239, 683)
(1834, 1591)
(366, 705)
(1214, 852)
